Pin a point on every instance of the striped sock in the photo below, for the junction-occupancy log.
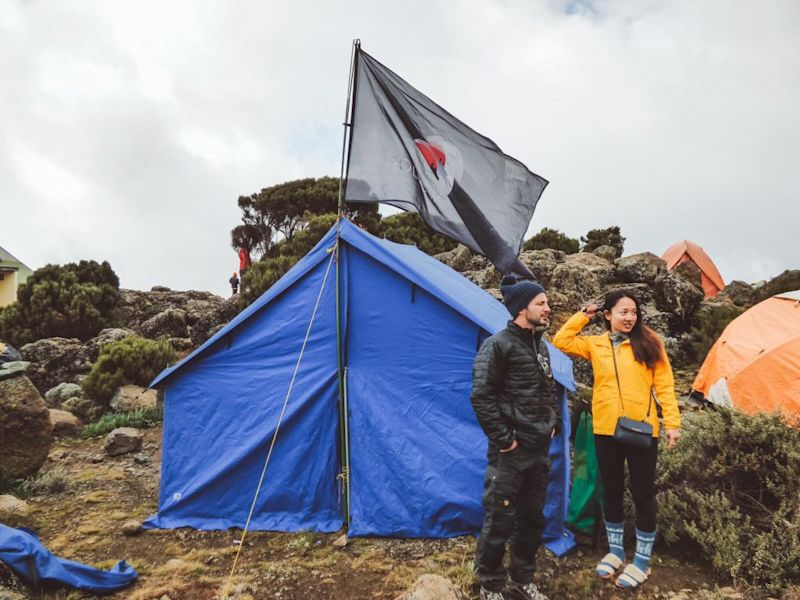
(644, 549)
(616, 532)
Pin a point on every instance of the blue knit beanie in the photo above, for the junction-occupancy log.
(517, 294)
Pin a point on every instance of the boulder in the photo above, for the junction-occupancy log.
(56, 360)
(432, 587)
(458, 258)
(122, 441)
(131, 528)
(106, 336)
(160, 288)
(169, 323)
(543, 263)
(678, 298)
(61, 393)
(132, 397)
(82, 407)
(13, 368)
(607, 252)
(597, 265)
(25, 430)
(65, 424)
(640, 268)
(13, 511)
(8, 353)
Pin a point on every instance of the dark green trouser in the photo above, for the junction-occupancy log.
(514, 493)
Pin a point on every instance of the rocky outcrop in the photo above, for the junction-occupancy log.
(640, 268)
(106, 336)
(172, 322)
(679, 299)
(25, 429)
(56, 360)
(458, 258)
(211, 322)
(543, 263)
(739, 293)
(173, 314)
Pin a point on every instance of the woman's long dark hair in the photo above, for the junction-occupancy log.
(647, 347)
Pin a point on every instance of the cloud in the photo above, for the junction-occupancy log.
(128, 130)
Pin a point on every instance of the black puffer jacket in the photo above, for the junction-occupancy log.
(512, 395)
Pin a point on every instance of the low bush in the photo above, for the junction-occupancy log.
(711, 322)
(129, 360)
(731, 490)
(554, 239)
(44, 482)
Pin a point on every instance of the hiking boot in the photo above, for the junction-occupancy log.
(488, 595)
(529, 591)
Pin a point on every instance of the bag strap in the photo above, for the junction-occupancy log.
(619, 388)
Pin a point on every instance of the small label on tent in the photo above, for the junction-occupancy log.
(176, 496)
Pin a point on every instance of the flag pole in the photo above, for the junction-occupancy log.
(344, 432)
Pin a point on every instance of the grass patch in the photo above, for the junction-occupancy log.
(46, 482)
(139, 419)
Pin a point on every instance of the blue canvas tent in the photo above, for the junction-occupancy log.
(411, 327)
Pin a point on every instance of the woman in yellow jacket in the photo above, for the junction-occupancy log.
(630, 368)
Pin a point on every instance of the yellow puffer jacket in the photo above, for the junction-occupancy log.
(635, 379)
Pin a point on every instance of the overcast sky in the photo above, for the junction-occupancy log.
(129, 129)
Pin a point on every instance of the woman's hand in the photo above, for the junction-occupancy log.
(590, 310)
(672, 437)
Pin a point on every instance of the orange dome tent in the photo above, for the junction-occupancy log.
(755, 364)
(685, 251)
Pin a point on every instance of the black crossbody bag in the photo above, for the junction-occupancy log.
(630, 431)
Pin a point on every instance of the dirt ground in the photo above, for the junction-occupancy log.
(84, 522)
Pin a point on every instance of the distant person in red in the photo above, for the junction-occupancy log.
(234, 281)
(244, 261)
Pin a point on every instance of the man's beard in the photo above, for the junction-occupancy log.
(538, 323)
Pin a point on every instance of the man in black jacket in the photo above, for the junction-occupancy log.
(514, 398)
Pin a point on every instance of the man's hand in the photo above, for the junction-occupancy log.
(510, 448)
(672, 437)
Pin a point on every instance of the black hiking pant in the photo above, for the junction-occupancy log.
(514, 493)
(611, 459)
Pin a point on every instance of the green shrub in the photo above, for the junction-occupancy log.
(712, 320)
(76, 300)
(409, 228)
(609, 236)
(731, 490)
(139, 419)
(129, 360)
(554, 239)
